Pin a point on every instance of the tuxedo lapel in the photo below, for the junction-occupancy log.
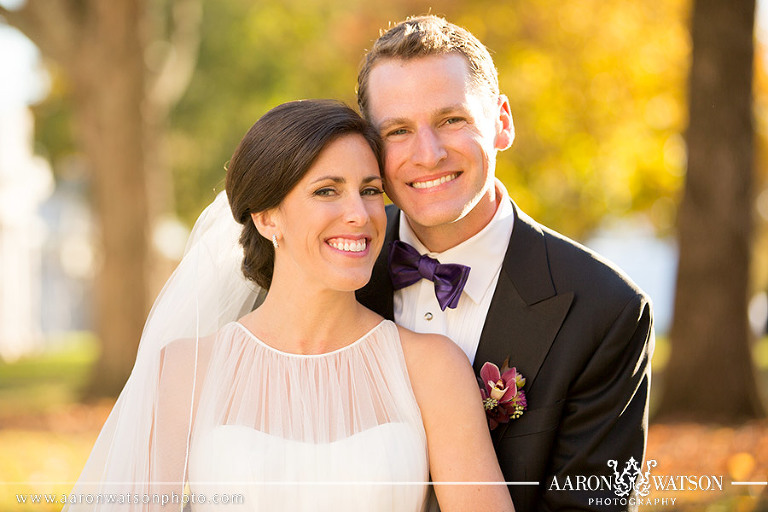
(526, 311)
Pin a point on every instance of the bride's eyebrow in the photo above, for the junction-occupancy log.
(340, 180)
(335, 179)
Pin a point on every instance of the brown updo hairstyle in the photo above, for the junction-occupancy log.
(273, 157)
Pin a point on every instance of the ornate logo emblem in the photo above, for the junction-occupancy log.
(631, 478)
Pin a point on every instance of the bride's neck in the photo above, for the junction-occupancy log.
(308, 321)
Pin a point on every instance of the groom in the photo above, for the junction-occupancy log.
(578, 329)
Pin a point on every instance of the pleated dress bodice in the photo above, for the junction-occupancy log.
(338, 432)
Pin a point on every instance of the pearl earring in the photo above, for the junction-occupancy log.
(274, 241)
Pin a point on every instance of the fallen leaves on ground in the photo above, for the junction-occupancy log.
(51, 448)
(705, 455)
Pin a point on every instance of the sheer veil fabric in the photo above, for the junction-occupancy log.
(140, 450)
(213, 410)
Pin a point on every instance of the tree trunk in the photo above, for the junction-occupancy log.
(710, 376)
(121, 107)
(109, 88)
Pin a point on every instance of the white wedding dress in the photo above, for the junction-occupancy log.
(337, 432)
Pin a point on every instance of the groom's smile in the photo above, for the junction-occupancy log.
(431, 183)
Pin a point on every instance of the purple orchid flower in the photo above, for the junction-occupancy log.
(503, 398)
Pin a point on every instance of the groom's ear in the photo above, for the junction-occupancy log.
(266, 223)
(505, 127)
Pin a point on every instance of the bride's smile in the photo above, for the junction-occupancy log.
(350, 244)
(331, 225)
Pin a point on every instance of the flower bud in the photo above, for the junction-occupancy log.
(498, 390)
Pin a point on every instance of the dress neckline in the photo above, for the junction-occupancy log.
(310, 356)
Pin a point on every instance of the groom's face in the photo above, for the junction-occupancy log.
(441, 134)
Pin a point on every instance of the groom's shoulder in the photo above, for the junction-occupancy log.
(575, 266)
(392, 212)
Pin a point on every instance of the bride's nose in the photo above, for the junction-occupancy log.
(355, 211)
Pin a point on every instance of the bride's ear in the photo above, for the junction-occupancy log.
(266, 223)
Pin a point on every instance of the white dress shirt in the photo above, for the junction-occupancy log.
(416, 306)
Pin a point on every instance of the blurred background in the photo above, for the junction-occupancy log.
(641, 132)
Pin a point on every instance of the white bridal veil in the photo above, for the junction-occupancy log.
(212, 410)
(143, 448)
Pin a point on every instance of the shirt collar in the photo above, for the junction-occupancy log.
(483, 252)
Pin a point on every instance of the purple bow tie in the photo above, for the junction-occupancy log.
(407, 266)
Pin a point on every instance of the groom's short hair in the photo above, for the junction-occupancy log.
(422, 36)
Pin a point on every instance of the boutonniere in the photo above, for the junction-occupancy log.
(503, 396)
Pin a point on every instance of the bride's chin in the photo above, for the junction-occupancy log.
(351, 283)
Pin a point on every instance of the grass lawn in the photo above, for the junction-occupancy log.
(45, 433)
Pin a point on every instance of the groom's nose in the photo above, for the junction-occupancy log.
(428, 149)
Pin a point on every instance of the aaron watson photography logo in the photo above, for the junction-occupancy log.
(632, 486)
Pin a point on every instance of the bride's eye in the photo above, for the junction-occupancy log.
(372, 191)
(325, 192)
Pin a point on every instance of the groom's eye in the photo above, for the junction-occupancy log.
(454, 120)
(398, 131)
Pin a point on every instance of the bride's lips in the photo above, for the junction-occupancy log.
(432, 182)
(350, 245)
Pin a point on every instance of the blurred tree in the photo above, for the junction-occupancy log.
(123, 75)
(760, 109)
(598, 99)
(710, 375)
(255, 55)
(598, 102)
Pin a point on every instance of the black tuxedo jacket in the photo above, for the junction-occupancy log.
(581, 333)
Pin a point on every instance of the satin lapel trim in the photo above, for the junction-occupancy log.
(526, 311)
(520, 332)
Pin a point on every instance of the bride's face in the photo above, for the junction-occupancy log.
(332, 223)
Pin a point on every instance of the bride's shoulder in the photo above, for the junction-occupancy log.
(435, 362)
(187, 347)
(182, 355)
(438, 350)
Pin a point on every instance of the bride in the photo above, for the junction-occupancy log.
(310, 401)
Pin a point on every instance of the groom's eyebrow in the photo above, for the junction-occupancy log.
(391, 121)
(458, 108)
